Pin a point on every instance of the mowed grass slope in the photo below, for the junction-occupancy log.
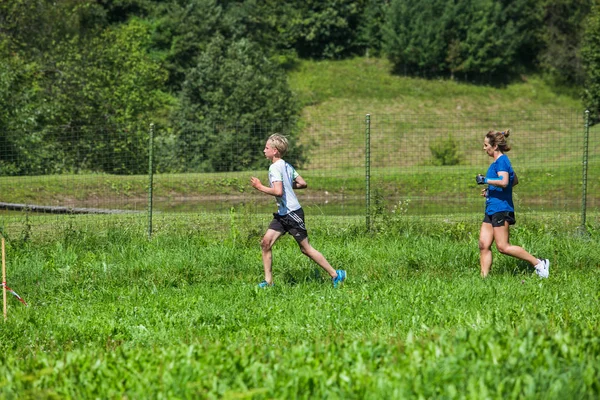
(408, 114)
(367, 85)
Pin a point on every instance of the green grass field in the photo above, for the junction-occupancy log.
(114, 315)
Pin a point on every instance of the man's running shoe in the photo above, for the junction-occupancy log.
(340, 278)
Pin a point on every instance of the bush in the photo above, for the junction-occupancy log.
(445, 152)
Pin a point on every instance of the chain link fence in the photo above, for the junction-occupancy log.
(358, 166)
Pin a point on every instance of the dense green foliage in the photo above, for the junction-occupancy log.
(563, 35)
(77, 98)
(72, 65)
(234, 98)
(591, 59)
(474, 38)
(112, 314)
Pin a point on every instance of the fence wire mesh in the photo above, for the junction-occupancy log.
(420, 165)
(430, 161)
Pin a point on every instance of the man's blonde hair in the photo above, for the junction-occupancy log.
(280, 142)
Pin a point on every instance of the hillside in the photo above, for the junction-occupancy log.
(410, 114)
(366, 85)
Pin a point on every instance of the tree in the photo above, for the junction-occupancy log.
(562, 35)
(182, 32)
(488, 39)
(120, 11)
(320, 29)
(106, 88)
(88, 98)
(590, 56)
(35, 26)
(20, 97)
(488, 42)
(183, 29)
(370, 28)
(229, 103)
(414, 35)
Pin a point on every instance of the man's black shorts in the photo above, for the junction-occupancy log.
(292, 223)
(500, 218)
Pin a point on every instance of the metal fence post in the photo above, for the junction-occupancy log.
(368, 170)
(150, 178)
(585, 170)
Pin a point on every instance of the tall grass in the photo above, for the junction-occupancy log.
(114, 315)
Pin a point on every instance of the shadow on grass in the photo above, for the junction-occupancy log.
(299, 276)
(519, 268)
